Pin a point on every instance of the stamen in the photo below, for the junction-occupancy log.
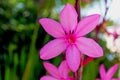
(72, 39)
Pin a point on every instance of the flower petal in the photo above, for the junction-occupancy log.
(48, 77)
(52, 27)
(52, 49)
(98, 79)
(115, 79)
(70, 78)
(51, 69)
(112, 71)
(68, 18)
(102, 71)
(73, 57)
(89, 47)
(87, 24)
(63, 69)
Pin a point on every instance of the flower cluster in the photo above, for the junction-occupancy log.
(69, 38)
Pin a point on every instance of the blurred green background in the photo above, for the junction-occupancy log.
(21, 37)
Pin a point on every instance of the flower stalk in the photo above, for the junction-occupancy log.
(78, 73)
(77, 7)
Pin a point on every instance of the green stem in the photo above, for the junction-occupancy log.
(33, 56)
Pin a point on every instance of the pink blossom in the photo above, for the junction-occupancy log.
(109, 74)
(114, 33)
(86, 1)
(69, 37)
(60, 73)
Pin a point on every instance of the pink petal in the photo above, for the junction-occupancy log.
(48, 77)
(73, 57)
(98, 79)
(52, 27)
(70, 78)
(63, 69)
(112, 71)
(115, 79)
(53, 71)
(89, 47)
(102, 71)
(52, 49)
(87, 24)
(86, 1)
(68, 18)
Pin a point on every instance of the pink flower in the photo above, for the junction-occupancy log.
(86, 1)
(108, 75)
(114, 33)
(60, 73)
(69, 36)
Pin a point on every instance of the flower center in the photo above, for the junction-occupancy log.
(71, 38)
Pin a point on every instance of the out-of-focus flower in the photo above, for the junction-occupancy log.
(112, 38)
(60, 73)
(109, 74)
(86, 1)
(114, 31)
(69, 36)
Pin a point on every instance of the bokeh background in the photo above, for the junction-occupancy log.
(21, 36)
